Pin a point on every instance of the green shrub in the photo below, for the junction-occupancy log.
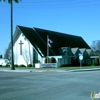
(29, 65)
(45, 61)
(53, 60)
(22, 65)
(7, 65)
(16, 65)
(86, 64)
(37, 61)
(96, 61)
(65, 65)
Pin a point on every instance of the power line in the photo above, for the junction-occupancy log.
(48, 1)
(51, 7)
(42, 1)
(58, 5)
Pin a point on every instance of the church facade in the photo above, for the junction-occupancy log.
(31, 45)
(23, 51)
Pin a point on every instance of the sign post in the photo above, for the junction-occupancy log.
(81, 58)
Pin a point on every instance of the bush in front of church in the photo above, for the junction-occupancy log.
(22, 65)
(7, 65)
(45, 61)
(52, 60)
(16, 65)
(96, 61)
(29, 65)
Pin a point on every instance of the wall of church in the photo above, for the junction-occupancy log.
(23, 51)
(64, 61)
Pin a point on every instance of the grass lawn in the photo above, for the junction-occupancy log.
(78, 67)
(61, 68)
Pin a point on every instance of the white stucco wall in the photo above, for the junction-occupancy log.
(27, 51)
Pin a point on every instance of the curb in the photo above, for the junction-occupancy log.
(77, 70)
(80, 70)
(14, 71)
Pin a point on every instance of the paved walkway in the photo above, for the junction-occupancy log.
(45, 70)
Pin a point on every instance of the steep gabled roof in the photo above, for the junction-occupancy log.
(38, 38)
(66, 52)
(93, 53)
(82, 50)
(74, 50)
(89, 51)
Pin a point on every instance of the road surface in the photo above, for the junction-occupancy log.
(48, 85)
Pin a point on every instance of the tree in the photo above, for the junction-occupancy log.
(15, 58)
(7, 55)
(96, 48)
(12, 56)
(26, 56)
(35, 57)
(1, 56)
(96, 45)
(30, 55)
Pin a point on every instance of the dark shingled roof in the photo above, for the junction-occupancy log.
(38, 38)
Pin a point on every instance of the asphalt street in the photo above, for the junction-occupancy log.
(48, 85)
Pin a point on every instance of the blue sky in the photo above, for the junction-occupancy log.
(76, 17)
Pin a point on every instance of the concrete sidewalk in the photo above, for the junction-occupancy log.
(45, 70)
(80, 70)
(30, 70)
(20, 70)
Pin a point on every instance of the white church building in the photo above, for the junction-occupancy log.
(30, 46)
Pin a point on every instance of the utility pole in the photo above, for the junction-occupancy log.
(12, 56)
(47, 48)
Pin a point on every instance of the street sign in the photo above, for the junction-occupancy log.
(81, 57)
